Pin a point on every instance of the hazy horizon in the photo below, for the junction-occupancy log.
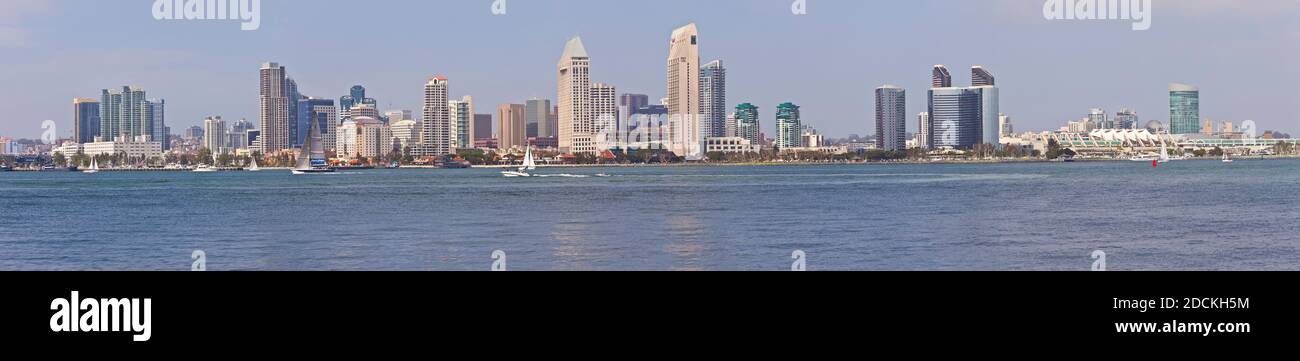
(828, 61)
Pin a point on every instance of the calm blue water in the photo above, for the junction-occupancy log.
(1190, 215)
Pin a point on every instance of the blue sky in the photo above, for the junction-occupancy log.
(1243, 55)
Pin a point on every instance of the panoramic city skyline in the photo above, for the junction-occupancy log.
(1042, 85)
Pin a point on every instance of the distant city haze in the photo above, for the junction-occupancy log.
(1242, 55)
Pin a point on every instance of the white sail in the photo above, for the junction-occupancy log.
(254, 167)
(529, 163)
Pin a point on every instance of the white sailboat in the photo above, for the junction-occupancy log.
(94, 167)
(1164, 153)
(1226, 158)
(312, 158)
(529, 165)
(253, 167)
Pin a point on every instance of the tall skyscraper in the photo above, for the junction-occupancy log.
(955, 117)
(462, 122)
(981, 77)
(356, 96)
(292, 94)
(1184, 109)
(963, 117)
(923, 130)
(538, 111)
(511, 124)
(214, 135)
(713, 99)
(273, 109)
(604, 108)
(85, 122)
(574, 99)
(435, 137)
(156, 118)
(482, 127)
(684, 74)
(941, 78)
(748, 125)
(891, 117)
(123, 113)
(789, 128)
(323, 112)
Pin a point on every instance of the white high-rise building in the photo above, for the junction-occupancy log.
(574, 98)
(604, 108)
(273, 109)
(435, 136)
(684, 77)
(461, 113)
(215, 138)
(1004, 126)
(923, 130)
(407, 132)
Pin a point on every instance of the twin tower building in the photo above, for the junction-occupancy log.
(956, 117)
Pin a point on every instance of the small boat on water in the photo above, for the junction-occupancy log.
(94, 167)
(204, 168)
(529, 165)
(252, 167)
(312, 158)
(1226, 158)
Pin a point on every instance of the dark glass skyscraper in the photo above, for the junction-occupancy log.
(981, 77)
(85, 120)
(306, 114)
(1184, 109)
(956, 117)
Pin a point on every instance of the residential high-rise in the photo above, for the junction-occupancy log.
(156, 118)
(1005, 129)
(323, 112)
(273, 109)
(435, 136)
(511, 124)
(574, 108)
(1126, 119)
(215, 138)
(923, 131)
(891, 117)
(238, 136)
(407, 133)
(789, 127)
(1184, 109)
(981, 77)
(940, 77)
(538, 111)
(462, 124)
(713, 99)
(1097, 117)
(482, 127)
(748, 124)
(604, 108)
(123, 113)
(684, 74)
(85, 122)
